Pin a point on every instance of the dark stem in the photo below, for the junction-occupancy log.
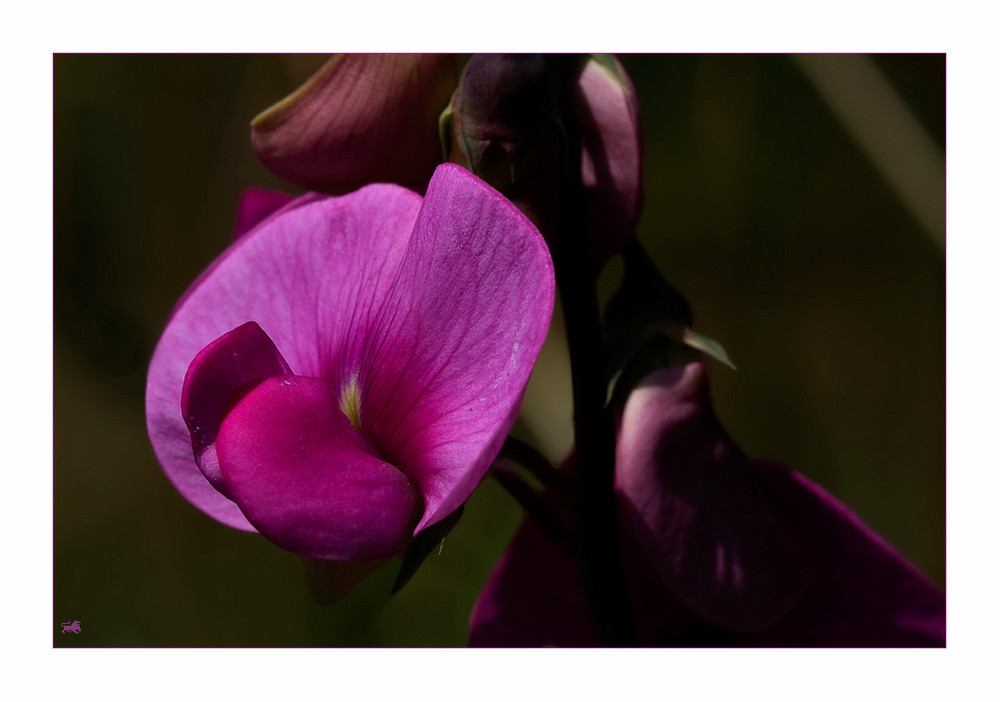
(602, 575)
(601, 572)
(538, 465)
(559, 214)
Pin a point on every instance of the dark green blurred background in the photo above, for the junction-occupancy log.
(760, 207)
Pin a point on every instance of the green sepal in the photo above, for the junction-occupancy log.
(423, 543)
(707, 345)
(648, 325)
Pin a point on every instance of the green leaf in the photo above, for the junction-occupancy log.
(423, 543)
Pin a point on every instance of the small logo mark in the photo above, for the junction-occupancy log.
(72, 627)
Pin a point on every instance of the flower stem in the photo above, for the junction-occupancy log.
(602, 575)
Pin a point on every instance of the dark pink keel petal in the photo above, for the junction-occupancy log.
(236, 358)
(256, 204)
(689, 496)
(606, 113)
(452, 351)
(306, 479)
(311, 276)
(865, 593)
(359, 119)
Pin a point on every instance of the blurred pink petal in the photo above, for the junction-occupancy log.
(718, 550)
(605, 111)
(713, 534)
(753, 547)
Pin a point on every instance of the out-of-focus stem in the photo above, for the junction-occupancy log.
(601, 571)
(602, 575)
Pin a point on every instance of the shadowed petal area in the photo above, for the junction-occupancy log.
(305, 479)
(454, 347)
(361, 118)
(711, 531)
(606, 112)
(255, 205)
(532, 598)
(752, 547)
(312, 276)
(865, 593)
(244, 355)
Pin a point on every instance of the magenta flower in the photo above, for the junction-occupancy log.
(719, 549)
(366, 118)
(344, 374)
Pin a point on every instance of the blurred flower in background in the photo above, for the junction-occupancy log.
(720, 550)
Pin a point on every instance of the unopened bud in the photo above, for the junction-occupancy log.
(500, 105)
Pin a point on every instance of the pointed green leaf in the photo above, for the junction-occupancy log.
(706, 345)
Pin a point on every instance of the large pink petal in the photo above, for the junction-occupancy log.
(307, 480)
(606, 113)
(311, 276)
(457, 338)
(238, 233)
(361, 118)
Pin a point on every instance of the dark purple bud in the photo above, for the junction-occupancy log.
(499, 106)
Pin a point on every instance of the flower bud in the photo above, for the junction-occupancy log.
(502, 124)
(501, 102)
